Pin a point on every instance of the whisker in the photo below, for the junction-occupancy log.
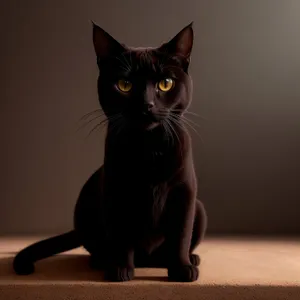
(170, 134)
(188, 120)
(196, 115)
(102, 123)
(85, 124)
(190, 113)
(190, 126)
(97, 126)
(166, 131)
(194, 130)
(124, 65)
(126, 62)
(178, 123)
(90, 113)
(163, 112)
(174, 131)
(130, 58)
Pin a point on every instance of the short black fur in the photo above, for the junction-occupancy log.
(140, 208)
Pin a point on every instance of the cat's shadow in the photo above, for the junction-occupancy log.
(69, 268)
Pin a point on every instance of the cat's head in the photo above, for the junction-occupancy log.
(144, 86)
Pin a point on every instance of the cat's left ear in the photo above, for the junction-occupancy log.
(181, 45)
(104, 44)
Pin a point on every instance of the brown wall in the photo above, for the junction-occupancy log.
(246, 71)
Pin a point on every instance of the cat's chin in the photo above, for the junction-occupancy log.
(148, 124)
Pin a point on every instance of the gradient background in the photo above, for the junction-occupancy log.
(246, 72)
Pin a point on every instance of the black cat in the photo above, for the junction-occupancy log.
(140, 208)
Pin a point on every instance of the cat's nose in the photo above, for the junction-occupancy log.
(148, 106)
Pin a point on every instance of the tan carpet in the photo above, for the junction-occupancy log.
(232, 268)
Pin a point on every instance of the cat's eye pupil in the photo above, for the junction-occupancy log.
(124, 85)
(166, 84)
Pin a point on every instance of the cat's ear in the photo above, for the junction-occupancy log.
(182, 44)
(104, 44)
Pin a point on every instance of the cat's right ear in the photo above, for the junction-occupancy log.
(104, 44)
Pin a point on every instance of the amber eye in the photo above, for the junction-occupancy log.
(166, 84)
(124, 85)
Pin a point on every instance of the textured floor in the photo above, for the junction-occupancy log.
(231, 268)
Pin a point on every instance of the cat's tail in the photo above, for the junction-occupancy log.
(23, 263)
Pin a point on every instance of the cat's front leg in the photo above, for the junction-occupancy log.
(121, 264)
(180, 215)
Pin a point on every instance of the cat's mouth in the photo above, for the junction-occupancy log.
(149, 121)
(146, 121)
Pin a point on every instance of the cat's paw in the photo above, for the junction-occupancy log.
(183, 273)
(119, 274)
(22, 266)
(195, 259)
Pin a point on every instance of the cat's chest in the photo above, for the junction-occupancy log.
(139, 207)
(148, 160)
(140, 161)
(148, 167)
